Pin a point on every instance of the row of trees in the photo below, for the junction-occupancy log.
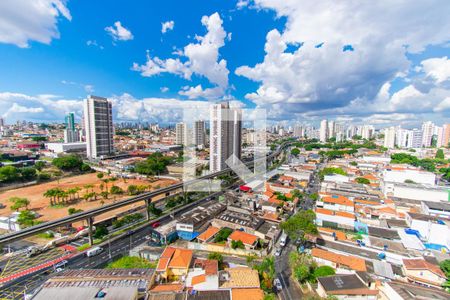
(11, 174)
(428, 164)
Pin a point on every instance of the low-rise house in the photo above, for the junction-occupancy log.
(239, 277)
(249, 240)
(204, 276)
(349, 286)
(336, 203)
(335, 219)
(407, 291)
(174, 263)
(336, 260)
(423, 272)
(208, 234)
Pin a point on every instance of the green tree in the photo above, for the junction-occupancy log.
(100, 231)
(440, 154)
(353, 163)
(301, 273)
(115, 190)
(100, 175)
(314, 196)
(39, 165)
(73, 210)
(216, 256)
(132, 190)
(300, 224)
(26, 218)
(323, 271)
(68, 162)
(155, 164)
(9, 173)
(19, 203)
(237, 244)
(223, 234)
(266, 271)
(362, 180)
(154, 210)
(295, 152)
(43, 176)
(27, 173)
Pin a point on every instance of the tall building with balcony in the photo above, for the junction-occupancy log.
(180, 133)
(98, 125)
(389, 137)
(323, 134)
(427, 133)
(225, 135)
(71, 134)
(200, 134)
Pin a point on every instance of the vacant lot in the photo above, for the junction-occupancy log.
(41, 204)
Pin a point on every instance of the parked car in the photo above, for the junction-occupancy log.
(277, 284)
(278, 251)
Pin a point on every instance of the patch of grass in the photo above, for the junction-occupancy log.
(46, 235)
(57, 206)
(83, 247)
(131, 262)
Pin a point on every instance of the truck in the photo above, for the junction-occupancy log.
(283, 239)
(94, 251)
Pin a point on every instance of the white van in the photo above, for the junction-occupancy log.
(283, 239)
(94, 251)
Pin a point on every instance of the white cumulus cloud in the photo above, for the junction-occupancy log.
(118, 32)
(305, 68)
(166, 26)
(201, 58)
(22, 21)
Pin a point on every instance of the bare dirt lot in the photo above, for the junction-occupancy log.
(41, 204)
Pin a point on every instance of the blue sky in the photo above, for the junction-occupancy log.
(386, 64)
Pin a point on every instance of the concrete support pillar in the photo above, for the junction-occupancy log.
(147, 213)
(90, 222)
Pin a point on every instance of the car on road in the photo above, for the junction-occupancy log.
(130, 232)
(283, 239)
(277, 284)
(61, 264)
(278, 251)
(94, 251)
(155, 225)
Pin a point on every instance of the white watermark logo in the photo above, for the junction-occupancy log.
(218, 138)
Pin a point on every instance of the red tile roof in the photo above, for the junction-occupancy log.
(244, 237)
(352, 262)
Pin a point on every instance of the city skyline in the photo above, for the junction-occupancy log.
(108, 56)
